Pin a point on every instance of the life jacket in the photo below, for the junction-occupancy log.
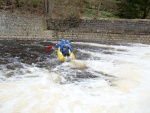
(65, 48)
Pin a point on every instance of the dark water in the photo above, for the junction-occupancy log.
(34, 51)
(14, 53)
(25, 51)
(17, 53)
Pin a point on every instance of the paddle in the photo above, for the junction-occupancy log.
(49, 48)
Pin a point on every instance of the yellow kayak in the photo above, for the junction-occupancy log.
(65, 58)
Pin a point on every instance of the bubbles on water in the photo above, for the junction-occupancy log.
(103, 78)
(78, 64)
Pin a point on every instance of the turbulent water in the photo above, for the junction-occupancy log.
(102, 79)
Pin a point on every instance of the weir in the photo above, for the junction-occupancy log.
(109, 75)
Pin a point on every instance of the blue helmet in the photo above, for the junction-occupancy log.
(67, 41)
(62, 41)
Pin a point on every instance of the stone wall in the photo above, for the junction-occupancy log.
(118, 26)
(115, 26)
(103, 31)
(14, 25)
(105, 38)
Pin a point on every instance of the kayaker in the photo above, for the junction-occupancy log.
(68, 42)
(60, 44)
(65, 48)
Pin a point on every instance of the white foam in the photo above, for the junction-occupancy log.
(36, 90)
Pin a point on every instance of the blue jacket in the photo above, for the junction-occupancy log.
(59, 45)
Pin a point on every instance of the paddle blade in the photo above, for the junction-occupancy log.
(49, 48)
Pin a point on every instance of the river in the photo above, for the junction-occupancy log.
(102, 79)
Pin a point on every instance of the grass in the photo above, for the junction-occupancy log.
(107, 9)
(92, 14)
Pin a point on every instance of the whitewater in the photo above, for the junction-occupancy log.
(102, 79)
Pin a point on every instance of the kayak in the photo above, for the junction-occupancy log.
(63, 58)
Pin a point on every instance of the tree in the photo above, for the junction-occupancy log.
(17, 3)
(98, 9)
(62, 9)
(145, 7)
(46, 6)
(133, 8)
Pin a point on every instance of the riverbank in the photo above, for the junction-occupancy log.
(104, 30)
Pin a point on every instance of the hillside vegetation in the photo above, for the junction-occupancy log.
(89, 9)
